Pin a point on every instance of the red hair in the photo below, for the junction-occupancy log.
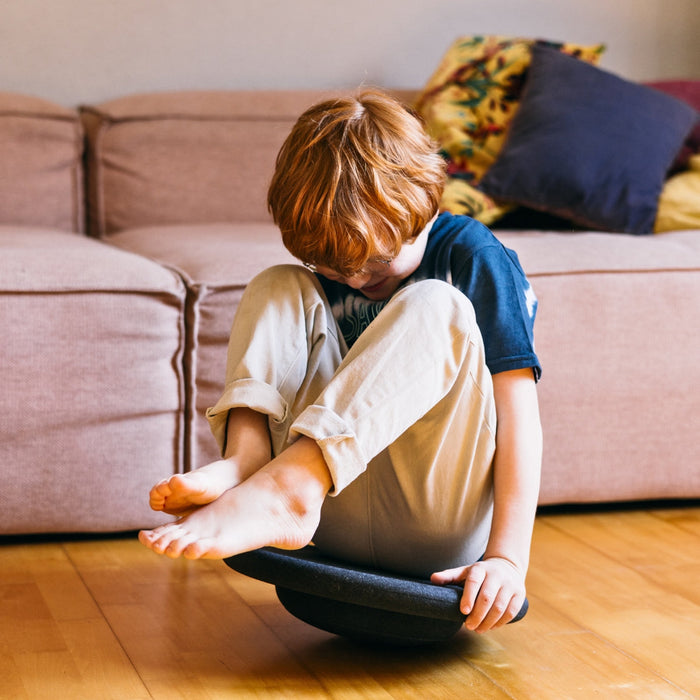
(355, 179)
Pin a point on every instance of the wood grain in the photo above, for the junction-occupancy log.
(615, 613)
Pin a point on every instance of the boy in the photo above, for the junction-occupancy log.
(363, 409)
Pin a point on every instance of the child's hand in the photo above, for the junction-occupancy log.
(494, 592)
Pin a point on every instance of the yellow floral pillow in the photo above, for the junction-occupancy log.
(468, 104)
(459, 197)
(679, 203)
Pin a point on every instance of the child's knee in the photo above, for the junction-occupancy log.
(280, 277)
(285, 284)
(443, 303)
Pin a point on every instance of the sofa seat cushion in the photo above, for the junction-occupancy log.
(216, 261)
(41, 176)
(92, 410)
(546, 253)
(633, 297)
(617, 334)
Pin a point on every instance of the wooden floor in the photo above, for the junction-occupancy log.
(615, 613)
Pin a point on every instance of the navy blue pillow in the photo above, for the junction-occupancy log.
(589, 146)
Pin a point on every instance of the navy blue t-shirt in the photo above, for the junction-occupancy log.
(464, 253)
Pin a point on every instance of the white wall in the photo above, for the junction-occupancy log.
(75, 51)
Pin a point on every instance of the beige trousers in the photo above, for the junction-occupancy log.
(405, 418)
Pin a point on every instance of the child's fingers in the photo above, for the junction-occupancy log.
(516, 603)
(492, 610)
(489, 600)
(473, 583)
(472, 576)
(449, 576)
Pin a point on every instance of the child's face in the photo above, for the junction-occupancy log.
(379, 279)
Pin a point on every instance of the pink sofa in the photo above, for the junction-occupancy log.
(115, 325)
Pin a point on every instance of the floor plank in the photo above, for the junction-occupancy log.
(668, 557)
(58, 641)
(533, 659)
(188, 635)
(586, 581)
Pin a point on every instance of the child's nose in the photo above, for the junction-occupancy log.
(359, 280)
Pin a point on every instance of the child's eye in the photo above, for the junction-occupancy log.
(368, 269)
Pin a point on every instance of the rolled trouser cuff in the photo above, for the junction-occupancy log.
(337, 441)
(248, 393)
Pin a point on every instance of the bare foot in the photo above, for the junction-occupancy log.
(279, 505)
(183, 493)
(247, 450)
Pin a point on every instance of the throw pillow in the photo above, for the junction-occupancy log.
(679, 204)
(459, 197)
(688, 91)
(468, 104)
(589, 146)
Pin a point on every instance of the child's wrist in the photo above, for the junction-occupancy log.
(510, 560)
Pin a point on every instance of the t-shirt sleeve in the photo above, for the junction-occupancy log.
(505, 306)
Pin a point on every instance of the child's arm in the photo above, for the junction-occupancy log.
(494, 588)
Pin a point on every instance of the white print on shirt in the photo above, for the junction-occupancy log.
(530, 300)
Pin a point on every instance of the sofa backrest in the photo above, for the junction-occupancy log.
(41, 175)
(186, 157)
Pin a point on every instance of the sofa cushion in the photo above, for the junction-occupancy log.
(617, 336)
(216, 261)
(467, 105)
(186, 157)
(589, 146)
(689, 92)
(41, 149)
(92, 381)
